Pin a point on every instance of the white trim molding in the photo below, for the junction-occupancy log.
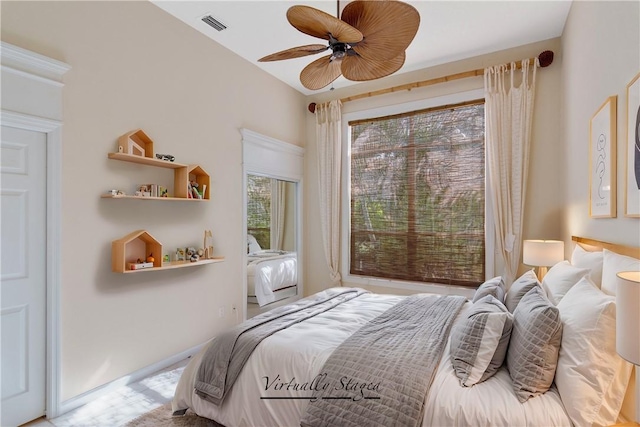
(31, 63)
(35, 69)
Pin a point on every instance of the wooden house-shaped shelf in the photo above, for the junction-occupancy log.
(136, 245)
(199, 175)
(137, 147)
(136, 143)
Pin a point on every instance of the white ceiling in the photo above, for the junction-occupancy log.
(449, 30)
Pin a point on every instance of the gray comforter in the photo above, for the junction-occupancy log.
(228, 353)
(380, 375)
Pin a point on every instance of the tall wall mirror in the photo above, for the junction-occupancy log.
(272, 222)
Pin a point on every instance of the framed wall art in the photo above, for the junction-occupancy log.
(602, 161)
(632, 157)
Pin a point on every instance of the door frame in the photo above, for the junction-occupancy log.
(39, 71)
(266, 156)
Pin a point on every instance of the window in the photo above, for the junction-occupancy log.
(259, 209)
(417, 207)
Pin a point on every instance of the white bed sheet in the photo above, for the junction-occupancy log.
(299, 352)
(269, 271)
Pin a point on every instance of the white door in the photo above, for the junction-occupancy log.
(22, 275)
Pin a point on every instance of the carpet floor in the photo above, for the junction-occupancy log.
(161, 417)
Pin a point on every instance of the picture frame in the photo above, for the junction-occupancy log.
(602, 161)
(632, 157)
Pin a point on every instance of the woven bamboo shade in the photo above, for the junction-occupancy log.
(417, 196)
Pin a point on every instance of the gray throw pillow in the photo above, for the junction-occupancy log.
(479, 341)
(519, 288)
(535, 341)
(494, 287)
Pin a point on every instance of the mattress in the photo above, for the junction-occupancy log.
(270, 271)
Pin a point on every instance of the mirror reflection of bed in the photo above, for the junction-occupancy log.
(272, 262)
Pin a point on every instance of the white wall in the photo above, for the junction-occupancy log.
(135, 66)
(544, 205)
(601, 45)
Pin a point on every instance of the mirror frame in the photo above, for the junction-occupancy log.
(269, 157)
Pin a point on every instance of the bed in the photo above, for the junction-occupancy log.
(271, 276)
(278, 385)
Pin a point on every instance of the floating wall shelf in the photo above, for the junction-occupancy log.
(138, 245)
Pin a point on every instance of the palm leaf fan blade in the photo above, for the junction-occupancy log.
(295, 52)
(319, 24)
(388, 27)
(360, 69)
(320, 73)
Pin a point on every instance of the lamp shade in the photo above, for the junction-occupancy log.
(628, 316)
(542, 253)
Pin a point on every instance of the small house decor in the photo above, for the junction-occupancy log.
(135, 248)
(136, 143)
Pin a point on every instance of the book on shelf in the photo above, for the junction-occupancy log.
(140, 265)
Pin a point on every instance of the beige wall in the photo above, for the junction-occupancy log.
(601, 45)
(544, 200)
(134, 66)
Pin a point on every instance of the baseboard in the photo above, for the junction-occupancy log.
(91, 395)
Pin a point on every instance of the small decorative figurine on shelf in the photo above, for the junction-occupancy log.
(192, 254)
(167, 157)
(208, 244)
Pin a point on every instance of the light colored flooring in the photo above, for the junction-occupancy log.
(123, 404)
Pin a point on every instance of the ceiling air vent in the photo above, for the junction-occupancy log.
(213, 22)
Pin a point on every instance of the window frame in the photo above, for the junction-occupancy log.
(345, 243)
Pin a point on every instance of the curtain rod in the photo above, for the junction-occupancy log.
(545, 58)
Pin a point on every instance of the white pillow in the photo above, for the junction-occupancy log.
(613, 264)
(252, 244)
(591, 378)
(560, 278)
(591, 260)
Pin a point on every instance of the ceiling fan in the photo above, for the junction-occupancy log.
(367, 43)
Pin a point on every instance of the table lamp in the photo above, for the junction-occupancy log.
(628, 323)
(542, 254)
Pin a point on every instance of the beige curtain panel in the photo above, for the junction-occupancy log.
(328, 136)
(509, 98)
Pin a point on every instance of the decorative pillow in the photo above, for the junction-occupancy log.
(494, 287)
(534, 345)
(479, 342)
(591, 378)
(591, 260)
(560, 278)
(613, 264)
(252, 244)
(519, 288)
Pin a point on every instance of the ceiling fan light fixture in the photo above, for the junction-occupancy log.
(368, 43)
